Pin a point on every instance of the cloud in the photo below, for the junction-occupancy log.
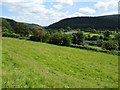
(106, 5)
(76, 14)
(109, 13)
(34, 12)
(63, 4)
(87, 10)
(58, 7)
(23, 1)
(66, 2)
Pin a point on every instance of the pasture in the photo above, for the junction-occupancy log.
(28, 64)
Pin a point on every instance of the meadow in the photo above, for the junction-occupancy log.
(28, 64)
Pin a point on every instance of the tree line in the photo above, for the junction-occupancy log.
(59, 37)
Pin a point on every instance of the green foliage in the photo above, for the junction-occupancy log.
(7, 34)
(56, 39)
(92, 43)
(78, 38)
(102, 22)
(21, 29)
(66, 40)
(100, 43)
(6, 25)
(60, 39)
(110, 45)
(117, 37)
(101, 37)
(107, 35)
(94, 38)
(38, 35)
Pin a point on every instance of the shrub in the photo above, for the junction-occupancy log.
(56, 38)
(66, 40)
(110, 45)
(60, 39)
(94, 38)
(100, 43)
(7, 34)
(92, 43)
(78, 38)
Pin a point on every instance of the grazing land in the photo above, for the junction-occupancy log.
(31, 64)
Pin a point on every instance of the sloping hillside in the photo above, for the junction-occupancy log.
(12, 23)
(101, 22)
(39, 65)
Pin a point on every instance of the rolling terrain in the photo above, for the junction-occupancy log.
(31, 64)
(98, 22)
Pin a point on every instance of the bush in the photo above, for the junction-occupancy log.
(94, 38)
(60, 39)
(39, 35)
(100, 43)
(110, 45)
(46, 37)
(78, 38)
(56, 38)
(92, 43)
(101, 37)
(7, 34)
(66, 40)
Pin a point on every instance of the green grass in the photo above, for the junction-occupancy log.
(71, 32)
(0, 62)
(93, 34)
(39, 65)
(95, 47)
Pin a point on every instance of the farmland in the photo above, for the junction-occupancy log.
(31, 64)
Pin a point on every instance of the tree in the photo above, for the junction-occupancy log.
(94, 37)
(6, 25)
(56, 38)
(110, 45)
(101, 37)
(74, 39)
(106, 35)
(46, 37)
(117, 37)
(66, 40)
(38, 35)
(21, 29)
(78, 38)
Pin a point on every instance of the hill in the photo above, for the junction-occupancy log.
(100, 22)
(12, 23)
(27, 64)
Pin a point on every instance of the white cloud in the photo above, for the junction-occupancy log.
(87, 10)
(76, 14)
(66, 2)
(23, 1)
(106, 5)
(109, 13)
(34, 12)
(58, 7)
(63, 4)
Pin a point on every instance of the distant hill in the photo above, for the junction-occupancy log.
(10, 22)
(100, 22)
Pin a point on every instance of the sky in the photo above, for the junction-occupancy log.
(46, 12)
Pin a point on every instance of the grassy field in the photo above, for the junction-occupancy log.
(39, 65)
(0, 62)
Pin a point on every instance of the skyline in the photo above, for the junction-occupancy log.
(46, 12)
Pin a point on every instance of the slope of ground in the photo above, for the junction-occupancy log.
(99, 22)
(39, 65)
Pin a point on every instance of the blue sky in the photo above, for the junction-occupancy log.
(46, 12)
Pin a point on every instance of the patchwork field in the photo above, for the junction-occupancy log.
(39, 65)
